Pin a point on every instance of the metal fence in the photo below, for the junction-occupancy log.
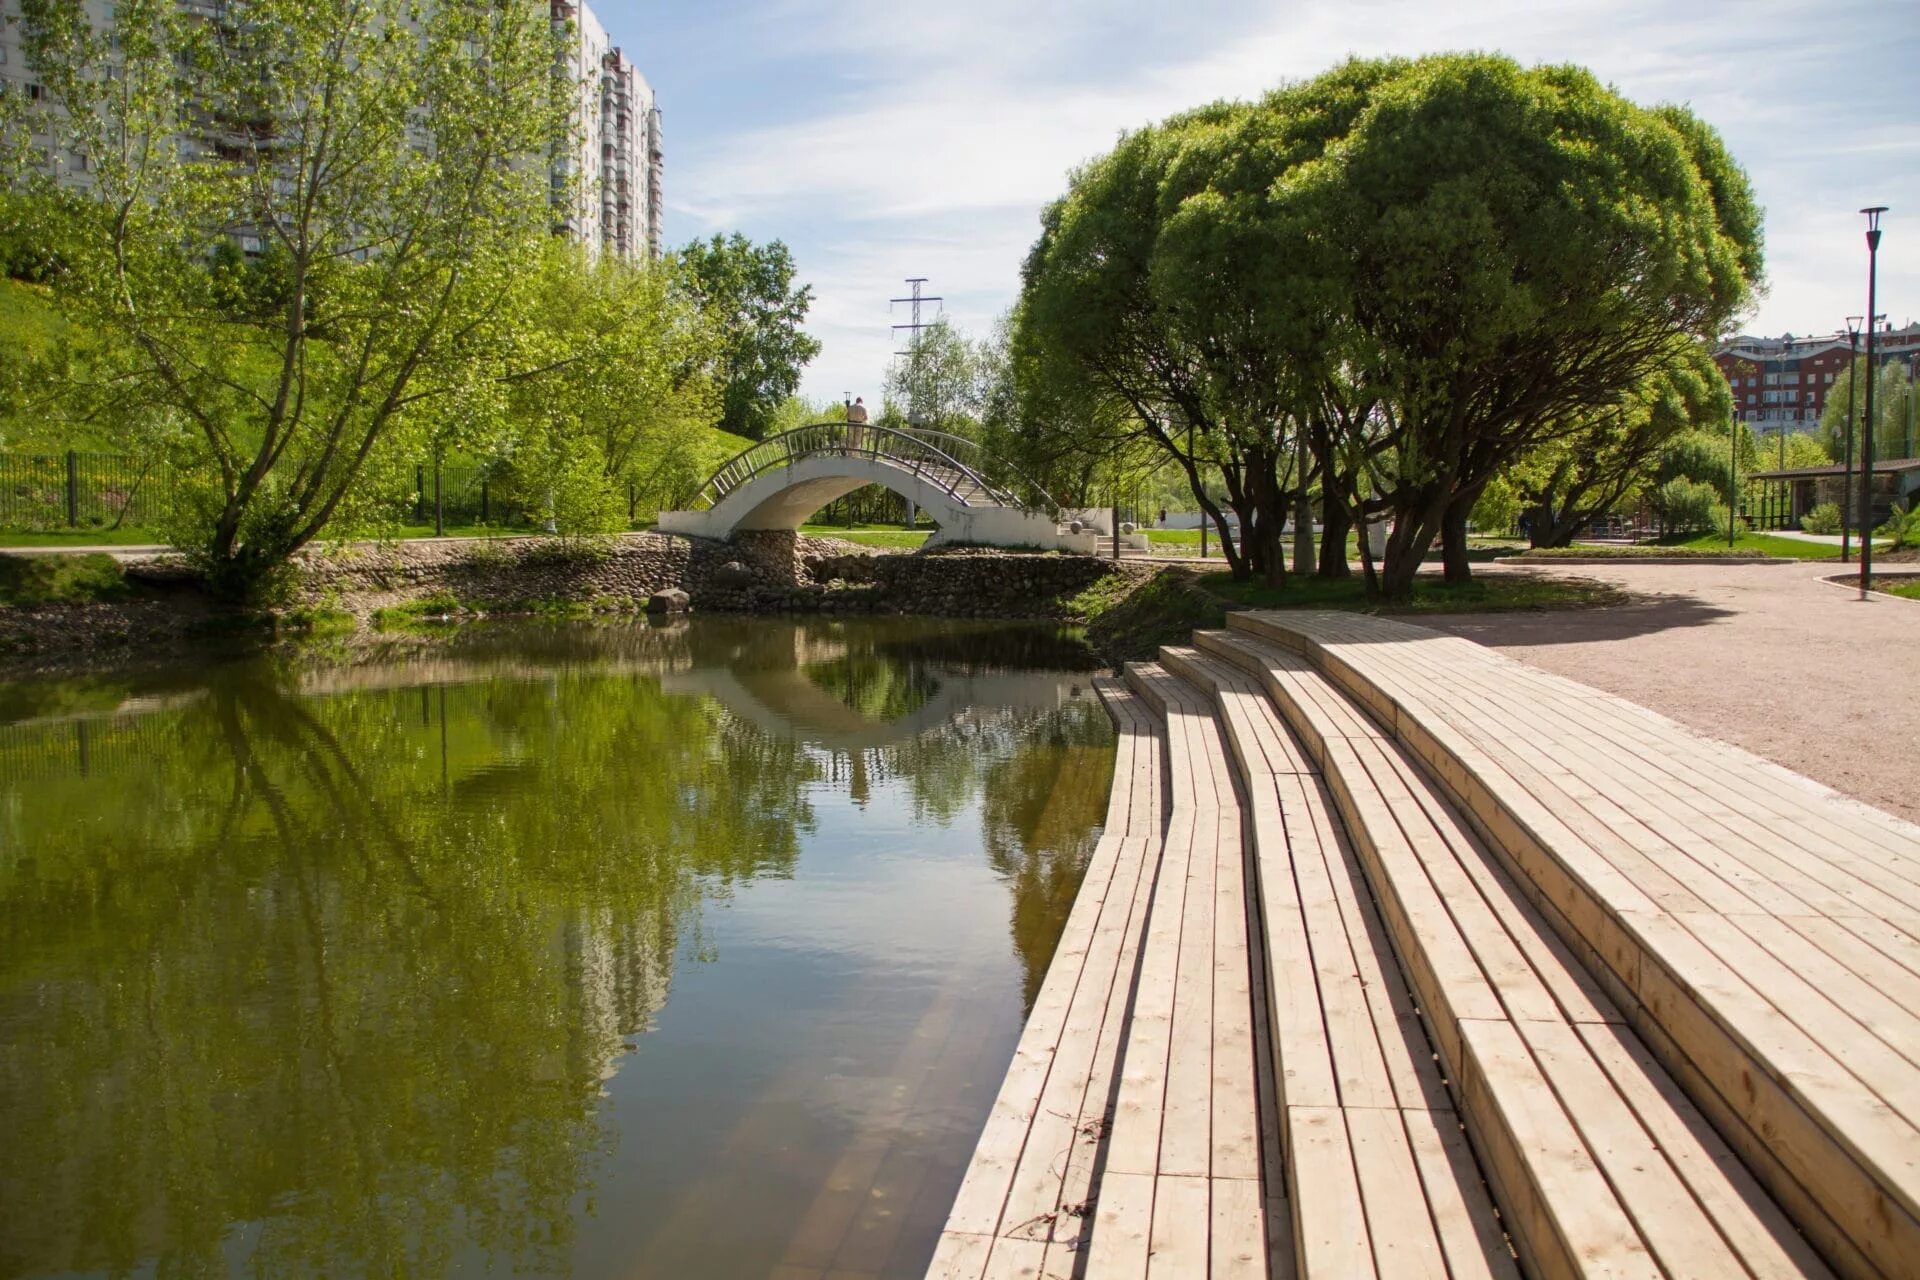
(75, 490)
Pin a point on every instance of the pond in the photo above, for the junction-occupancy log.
(688, 950)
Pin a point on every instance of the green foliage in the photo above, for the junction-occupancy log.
(1895, 403)
(1683, 505)
(748, 292)
(1498, 508)
(1614, 453)
(614, 389)
(396, 214)
(1824, 519)
(1902, 526)
(1426, 268)
(27, 581)
(940, 382)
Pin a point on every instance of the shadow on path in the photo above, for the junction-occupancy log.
(1641, 615)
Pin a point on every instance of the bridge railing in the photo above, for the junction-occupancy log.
(953, 464)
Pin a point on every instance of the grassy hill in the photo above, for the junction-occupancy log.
(31, 325)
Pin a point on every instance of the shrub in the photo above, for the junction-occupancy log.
(1685, 505)
(1902, 527)
(1824, 518)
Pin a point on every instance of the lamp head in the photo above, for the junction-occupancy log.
(1873, 228)
(1853, 327)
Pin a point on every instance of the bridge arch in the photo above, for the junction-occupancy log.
(783, 479)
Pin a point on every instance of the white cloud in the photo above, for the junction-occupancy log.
(938, 134)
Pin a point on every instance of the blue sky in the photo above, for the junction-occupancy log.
(890, 139)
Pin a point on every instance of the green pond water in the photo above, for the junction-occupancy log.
(691, 950)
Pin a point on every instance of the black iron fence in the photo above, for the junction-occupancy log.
(104, 491)
(76, 490)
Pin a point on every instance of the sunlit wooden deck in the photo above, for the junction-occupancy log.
(1400, 957)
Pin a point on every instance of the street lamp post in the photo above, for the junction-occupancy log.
(1846, 466)
(1733, 475)
(1866, 436)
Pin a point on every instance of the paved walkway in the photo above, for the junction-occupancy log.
(1769, 657)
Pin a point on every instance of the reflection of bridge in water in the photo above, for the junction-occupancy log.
(782, 480)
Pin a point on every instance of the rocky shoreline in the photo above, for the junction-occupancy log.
(373, 585)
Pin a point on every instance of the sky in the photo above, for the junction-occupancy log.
(883, 139)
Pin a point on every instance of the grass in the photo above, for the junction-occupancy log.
(28, 581)
(1489, 594)
(872, 535)
(55, 538)
(1905, 590)
(1705, 546)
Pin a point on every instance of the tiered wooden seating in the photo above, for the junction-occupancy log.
(1021, 1209)
(1599, 1162)
(1762, 932)
(1181, 1192)
(1378, 1173)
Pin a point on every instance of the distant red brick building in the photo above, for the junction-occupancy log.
(1782, 383)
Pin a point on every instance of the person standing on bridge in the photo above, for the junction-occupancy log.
(856, 425)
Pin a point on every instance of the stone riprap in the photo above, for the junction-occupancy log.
(760, 572)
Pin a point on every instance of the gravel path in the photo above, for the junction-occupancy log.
(1769, 657)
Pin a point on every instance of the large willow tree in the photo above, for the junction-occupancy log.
(1411, 272)
(298, 225)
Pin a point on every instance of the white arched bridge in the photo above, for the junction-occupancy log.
(782, 480)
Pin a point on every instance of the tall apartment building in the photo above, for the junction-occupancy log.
(608, 189)
(1781, 384)
(615, 205)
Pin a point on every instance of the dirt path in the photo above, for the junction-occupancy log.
(1769, 657)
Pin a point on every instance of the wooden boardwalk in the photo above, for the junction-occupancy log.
(1399, 957)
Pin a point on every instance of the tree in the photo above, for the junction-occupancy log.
(387, 178)
(1110, 323)
(1615, 450)
(940, 381)
(615, 386)
(748, 291)
(1896, 434)
(1520, 249)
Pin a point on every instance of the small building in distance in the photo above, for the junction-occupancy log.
(1809, 487)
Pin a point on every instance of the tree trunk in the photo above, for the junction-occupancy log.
(1302, 507)
(1407, 546)
(1453, 539)
(1335, 523)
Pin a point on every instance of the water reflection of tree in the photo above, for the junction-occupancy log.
(1042, 778)
(352, 969)
(1044, 805)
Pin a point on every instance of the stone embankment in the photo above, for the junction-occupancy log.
(770, 572)
(157, 605)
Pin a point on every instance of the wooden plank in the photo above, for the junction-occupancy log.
(1178, 1248)
(1750, 1223)
(1402, 1232)
(1330, 1229)
(1469, 1233)
(1785, 993)
(1237, 1239)
(960, 1255)
(1566, 1218)
(1118, 1244)
(1835, 1139)
(1670, 1221)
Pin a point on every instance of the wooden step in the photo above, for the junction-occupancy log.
(1185, 1145)
(1761, 933)
(1378, 1171)
(1022, 1207)
(1599, 1162)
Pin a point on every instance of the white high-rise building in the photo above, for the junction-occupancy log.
(614, 205)
(614, 171)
